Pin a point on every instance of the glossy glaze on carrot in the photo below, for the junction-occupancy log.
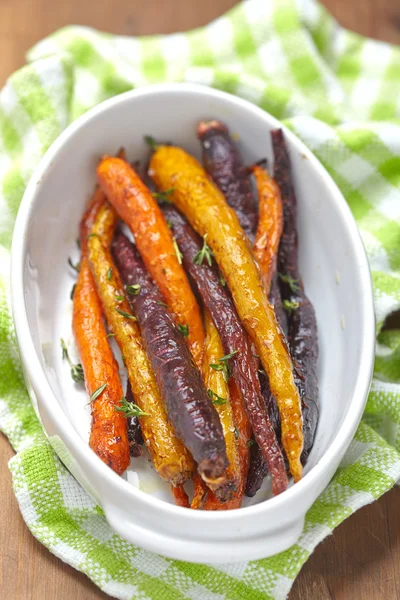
(170, 457)
(109, 436)
(189, 407)
(222, 160)
(302, 325)
(136, 206)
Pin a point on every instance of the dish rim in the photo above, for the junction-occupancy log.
(37, 375)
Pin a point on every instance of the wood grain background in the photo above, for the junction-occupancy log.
(360, 560)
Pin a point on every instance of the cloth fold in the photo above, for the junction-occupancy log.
(339, 93)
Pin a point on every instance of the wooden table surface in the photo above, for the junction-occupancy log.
(360, 560)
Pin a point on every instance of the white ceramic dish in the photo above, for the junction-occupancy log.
(141, 510)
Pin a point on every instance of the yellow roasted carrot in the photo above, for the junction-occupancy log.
(169, 456)
(206, 209)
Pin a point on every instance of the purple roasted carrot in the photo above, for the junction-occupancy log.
(189, 407)
(135, 437)
(302, 325)
(223, 162)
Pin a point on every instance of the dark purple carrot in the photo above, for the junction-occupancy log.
(223, 162)
(135, 437)
(199, 264)
(302, 325)
(189, 407)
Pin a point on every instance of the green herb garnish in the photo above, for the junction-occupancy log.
(125, 314)
(183, 329)
(228, 356)
(76, 370)
(204, 254)
(292, 283)
(75, 267)
(291, 305)
(78, 243)
(109, 274)
(250, 443)
(218, 400)
(222, 280)
(178, 253)
(97, 392)
(109, 335)
(72, 291)
(133, 290)
(130, 409)
(164, 196)
(161, 303)
(92, 235)
(236, 432)
(223, 365)
(119, 298)
(150, 141)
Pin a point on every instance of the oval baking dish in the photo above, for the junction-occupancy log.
(336, 277)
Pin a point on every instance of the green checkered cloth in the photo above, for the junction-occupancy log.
(338, 92)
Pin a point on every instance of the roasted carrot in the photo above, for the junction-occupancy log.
(181, 497)
(134, 432)
(302, 324)
(109, 436)
(206, 209)
(270, 225)
(169, 456)
(190, 409)
(137, 207)
(216, 375)
(243, 434)
(223, 162)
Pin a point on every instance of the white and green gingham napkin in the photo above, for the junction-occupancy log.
(341, 94)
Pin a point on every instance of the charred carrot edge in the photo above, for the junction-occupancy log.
(243, 433)
(109, 436)
(169, 456)
(223, 162)
(217, 385)
(302, 327)
(189, 407)
(270, 224)
(136, 206)
(206, 209)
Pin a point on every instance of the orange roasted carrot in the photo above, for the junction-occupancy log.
(109, 435)
(136, 206)
(181, 497)
(270, 224)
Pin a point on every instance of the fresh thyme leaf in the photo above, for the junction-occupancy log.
(178, 253)
(183, 329)
(64, 350)
(169, 224)
(109, 335)
(262, 372)
(236, 432)
(164, 196)
(78, 243)
(291, 305)
(119, 297)
(92, 235)
(161, 303)
(222, 280)
(150, 141)
(204, 254)
(72, 291)
(97, 392)
(77, 373)
(76, 370)
(133, 290)
(292, 283)
(250, 443)
(217, 367)
(130, 409)
(228, 356)
(75, 267)
(109, 274)
(218, 400)
(125, 314)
